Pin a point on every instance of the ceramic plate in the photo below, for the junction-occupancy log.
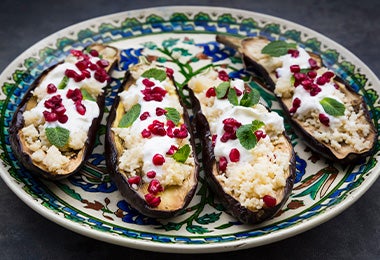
(182, 37)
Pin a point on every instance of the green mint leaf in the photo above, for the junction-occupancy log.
(332, 106)
(86, 95)
(256, 125)
(232, 97)
(130, 117)
(222, 89)
(57, 136)
(278, 48)
(251, 98)
(63, 82)
(182, 154)
(173, 115)
(157, 74)
(246, 137)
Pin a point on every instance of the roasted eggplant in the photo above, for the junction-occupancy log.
(150, 144)
(248, 159)
(324, 110)
(54, 128)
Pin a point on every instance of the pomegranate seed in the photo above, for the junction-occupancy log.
(238, 91)
(336, 86)
(260, 134)
(155, 187)
(211, 92)
(86, 74)
(102, 63)
(234, 155)
(158, 159)
(93, 66)
(63, 118)
(51, 88)
(231, 121)
(172, 150)
(134, 180)
(152, 200)
(312, 74)
(322, 80)
(75, 95)
(315, 90)
(295, 68)
(147, 83)
(299, 76)
(144, 115)
(82, 64)
(328, 74)
(169, 132)
(269, 201)
(50, 116)
(81, 109)
(223, 164)
(94, 53)
(296, 102)
(100, 76)
(76, 53)
(169, 72)
(313, 64)
(160, 111)
(222, 75)
(227, 136)
(294, 53)
(306, 83)
(170, 124)
(146, 133)
(324, 119)
(151, 174)
(60, 110)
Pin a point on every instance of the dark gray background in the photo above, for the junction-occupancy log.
(354, 234)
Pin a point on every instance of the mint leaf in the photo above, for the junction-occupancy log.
(130, 117)
(86, 95)
(57, 136)
(232, 97)
(182, 154)
(63, 82)
(246, 137)
(157, 74)
(256, 125)
(173, 115)
(222, 89)
(250, 99)
(278, 48)
(332, 106)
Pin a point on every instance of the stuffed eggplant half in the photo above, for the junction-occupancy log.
(150, 145)
(249, 161)
(324, 110)
(54, 128)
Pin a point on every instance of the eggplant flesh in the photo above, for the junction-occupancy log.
(231, 199)
(173, 195)
(349, 149)
(25, 150)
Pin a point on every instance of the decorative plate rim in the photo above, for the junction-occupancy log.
(287, 232)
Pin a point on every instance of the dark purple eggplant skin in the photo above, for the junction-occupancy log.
(129, 194)
(231, 205)
(262, 75)
(17, 124)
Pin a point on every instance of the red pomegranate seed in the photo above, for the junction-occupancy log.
(51, 88)
(294, 53)
(306, 83)
(146, 133)
(172, 150)
(102, 63)
(155, 187)
(76, 53)
(100, 76)
(160, 111)
(328, 74)
(296, 102)
(259, 134)
(134, 180)
(86, 74)
(295, 68)
(147, 83)
(81, 109)
(315, 90)
(322, 80)
(158, 159)
(144, 115)
(94, 53)
(75, 95)
(170, 124)
(93, 66)
(63, 118)
(169, 72)
(234, 155)
(228, 136)
(152, 200)
(60, 110)
(211, 92)
(313, 63)
(324, 119)
(299, 76)
(312, 74)
(222, 75)
(151, 174)
(231, 121)
(269, 201)
(50, 116)
(82, 64)
(223, 164)
(238, 91)
(336, 86)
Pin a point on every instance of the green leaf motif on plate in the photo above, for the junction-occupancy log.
(272, 28)
(30, 62)
(313, 44)
(150, 45)
(294, 35)
(8, 88)
(131, 23)
(195, 229)
(331, 56)
(178, 17)
(360, 79)
(154, 19)
(66, 189)
(208, 218)
(202, 17)
(248, 24)
(170, 42)
(46, 52)
(106, 27)
(183, 51)
(226, 19)
(84, 34)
